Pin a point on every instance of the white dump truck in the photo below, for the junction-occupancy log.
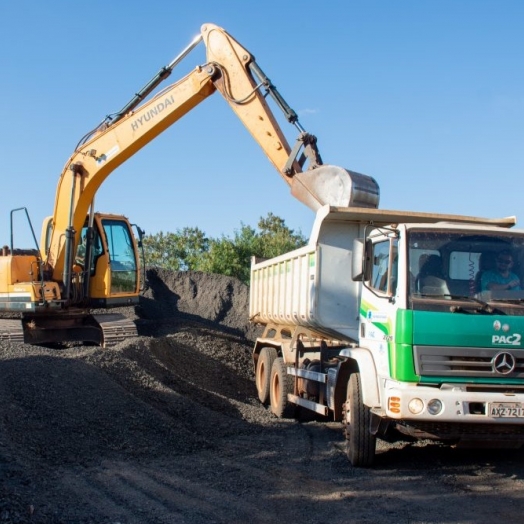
(397, 324)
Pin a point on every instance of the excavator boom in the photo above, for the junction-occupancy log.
(56, 289)
(231, 70)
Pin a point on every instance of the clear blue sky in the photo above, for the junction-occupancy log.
(427, 97)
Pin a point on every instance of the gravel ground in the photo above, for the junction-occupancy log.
(167, 428)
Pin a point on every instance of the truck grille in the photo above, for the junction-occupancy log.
(469, 362)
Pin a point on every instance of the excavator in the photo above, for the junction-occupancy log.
(87, 261)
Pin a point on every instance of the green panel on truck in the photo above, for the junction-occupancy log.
(401, 351)
(461, 330)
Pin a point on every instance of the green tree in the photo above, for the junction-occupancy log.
(190, 249)
(232, 257)
(182, 250)
(275, 238)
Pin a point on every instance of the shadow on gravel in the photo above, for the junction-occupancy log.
(420, 455)
(169, 366)
(61, 410)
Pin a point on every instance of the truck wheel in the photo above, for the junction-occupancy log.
(360, 443)
(263, 372)
(280, 385)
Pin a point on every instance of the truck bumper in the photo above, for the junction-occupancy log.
(453, 403)
(454, 414)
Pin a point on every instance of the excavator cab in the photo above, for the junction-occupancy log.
(108, 259)
(105, 263)
(104, 273)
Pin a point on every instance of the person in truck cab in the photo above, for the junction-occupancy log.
(501, 277)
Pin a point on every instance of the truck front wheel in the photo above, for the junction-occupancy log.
(360, 443)
(280, 385)
(263, 372)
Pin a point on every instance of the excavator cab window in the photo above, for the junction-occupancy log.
(96, 249)
(122, 256)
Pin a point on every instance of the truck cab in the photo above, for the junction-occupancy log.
(397, 324)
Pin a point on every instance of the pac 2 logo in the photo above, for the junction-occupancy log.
(507, 340)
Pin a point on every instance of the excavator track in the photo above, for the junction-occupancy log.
(115, 328)
(110, 329)
(11, 330)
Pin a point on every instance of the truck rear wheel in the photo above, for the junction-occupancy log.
(280, 385)
(360, 443)
(263, 372)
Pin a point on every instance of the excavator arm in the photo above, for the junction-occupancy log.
(231, 70)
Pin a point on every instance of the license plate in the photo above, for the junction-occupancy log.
(506, 410)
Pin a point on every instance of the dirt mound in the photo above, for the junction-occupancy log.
(172, 392)
(166, 428)
(219, 299)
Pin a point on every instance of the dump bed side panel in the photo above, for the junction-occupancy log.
(311, 286)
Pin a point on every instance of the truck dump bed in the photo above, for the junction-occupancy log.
(312, 286)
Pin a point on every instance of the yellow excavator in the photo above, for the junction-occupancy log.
(88, 261)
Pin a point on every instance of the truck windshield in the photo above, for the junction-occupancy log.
(480, 267)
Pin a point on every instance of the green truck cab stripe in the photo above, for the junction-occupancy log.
(400, 346)
(401, 361)
(445, 329)
(465, 380)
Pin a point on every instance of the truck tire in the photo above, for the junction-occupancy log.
(263, 372)
(280, 385)
(360, 443)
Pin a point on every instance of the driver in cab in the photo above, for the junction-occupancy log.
(501, 277)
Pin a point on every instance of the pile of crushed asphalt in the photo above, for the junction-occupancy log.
(184, 383)
(167, 428)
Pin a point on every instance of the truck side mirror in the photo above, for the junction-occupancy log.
(360, 262)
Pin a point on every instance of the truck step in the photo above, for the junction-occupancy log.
(307, 374)
(308, 404)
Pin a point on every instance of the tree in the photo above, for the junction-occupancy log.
(190, 249)
(182, 250)
(232, 257)
(276, 238)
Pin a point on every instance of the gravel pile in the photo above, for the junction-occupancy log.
(185, 382)
(167, 429)
(218, 299)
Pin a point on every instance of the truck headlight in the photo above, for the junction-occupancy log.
(434, 406)
(416, 406)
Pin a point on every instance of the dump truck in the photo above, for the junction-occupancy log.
(398, 325)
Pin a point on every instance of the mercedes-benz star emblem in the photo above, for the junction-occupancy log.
(503, 363)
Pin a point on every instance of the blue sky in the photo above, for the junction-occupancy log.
(427, 97)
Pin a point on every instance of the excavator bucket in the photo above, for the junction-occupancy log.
(336, 186)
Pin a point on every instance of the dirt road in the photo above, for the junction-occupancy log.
(167, 429)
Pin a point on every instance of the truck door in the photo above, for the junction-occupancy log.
(378, 310)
